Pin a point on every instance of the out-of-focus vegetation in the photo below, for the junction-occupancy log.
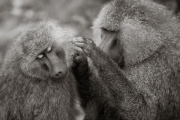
(15, 15)
(173, 5)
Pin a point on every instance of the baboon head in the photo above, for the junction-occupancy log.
(129, 32)
(46, 52)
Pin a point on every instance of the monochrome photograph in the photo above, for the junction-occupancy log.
(89, 59)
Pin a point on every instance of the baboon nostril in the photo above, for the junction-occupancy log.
(58, 74)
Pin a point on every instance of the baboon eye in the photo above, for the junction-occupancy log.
(49, 49)
(107, 30)
(40, 56)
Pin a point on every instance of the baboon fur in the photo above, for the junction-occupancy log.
(27, 92)
(145, 37)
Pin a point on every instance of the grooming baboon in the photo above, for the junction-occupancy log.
(142, 82)
(36, 79)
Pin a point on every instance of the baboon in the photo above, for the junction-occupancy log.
(36, 79)
(133, 73)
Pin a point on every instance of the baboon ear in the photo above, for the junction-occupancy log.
(139, 41)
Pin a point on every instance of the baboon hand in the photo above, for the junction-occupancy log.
(87, 45)
(80, 63)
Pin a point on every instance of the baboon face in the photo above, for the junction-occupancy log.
(107, 32)
(126, 32)
(52, 60)
(44, 57)
(111, 45)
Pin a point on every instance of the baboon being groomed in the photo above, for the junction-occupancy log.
(36, 82)
(138, 77)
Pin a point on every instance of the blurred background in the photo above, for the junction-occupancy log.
(15, 15)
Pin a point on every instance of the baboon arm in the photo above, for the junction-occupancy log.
(111, 87)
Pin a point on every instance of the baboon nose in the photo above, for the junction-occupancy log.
(58, 74)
